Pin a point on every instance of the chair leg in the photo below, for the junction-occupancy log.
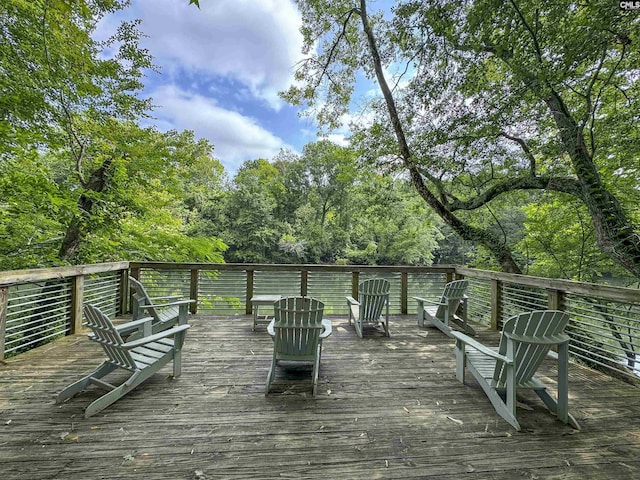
(358, 324)
(553, 406)
(461, 360)
(177, 363)
(503, 408)
(108, 398)
(386, 321)
(316, 371)
(270, 375)
(436, 322)
(104, 369)
(420, 313)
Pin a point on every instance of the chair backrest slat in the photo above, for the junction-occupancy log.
(372, 295)
(141, 296)
(452, 294)
(297, 326)
(105, 333)
(538, 324)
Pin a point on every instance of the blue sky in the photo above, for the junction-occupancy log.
(222, 67)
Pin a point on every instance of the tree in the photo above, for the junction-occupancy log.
(253, 230)
(492, 98)
(389, 225)
(65, 90)
(560, 241)
(32, 207)
(149, 209)
(323, 222)
(145, 210)
(83, 181)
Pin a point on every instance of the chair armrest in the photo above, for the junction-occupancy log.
(327, 328)
(352, 301)
(549, 340)
(420, 299)
(157, 336)
(467, 340)
(134, 325)
(156, 305)
(424, 300)
(166, 297)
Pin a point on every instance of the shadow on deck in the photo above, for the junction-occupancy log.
(386, 408)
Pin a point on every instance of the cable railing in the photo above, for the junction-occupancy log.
(604, 320)
(38, 306)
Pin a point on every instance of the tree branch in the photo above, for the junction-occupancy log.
(557, 184)
(592, 120)
(334, 46)
(75, 144)
(534, 37)
(525, 149)
(466, 231)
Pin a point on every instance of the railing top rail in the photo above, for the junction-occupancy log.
(294, 267)
(12, 277)
(620, 294)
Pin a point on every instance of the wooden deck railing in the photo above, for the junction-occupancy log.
(37, 306)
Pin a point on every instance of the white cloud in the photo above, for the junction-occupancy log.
(255, 42)
(236, 137)
(338, 139)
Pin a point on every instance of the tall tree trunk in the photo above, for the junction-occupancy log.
(492, 242)
(77, 228)
(616, 234)
(71, 241)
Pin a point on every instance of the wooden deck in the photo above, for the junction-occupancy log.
(387, 408)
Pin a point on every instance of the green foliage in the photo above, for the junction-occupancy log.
(145, 212)
(320, 207)
(81, 181)
(53, 69)
(32, 207)
(391, 226)
(485, 98)
(560, 241)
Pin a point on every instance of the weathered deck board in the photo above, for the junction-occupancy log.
(387, 408)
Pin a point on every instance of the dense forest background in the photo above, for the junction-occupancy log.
(514, 144)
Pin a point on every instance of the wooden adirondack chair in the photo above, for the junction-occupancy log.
(450, 309)
(524, 343)
(142, 357)
(166, 311)
(373, 296)
(297, 332)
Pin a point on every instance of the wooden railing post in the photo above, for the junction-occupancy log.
(304, 282)
(404, 292)
(555, 299)
(496, 303)
(193, 290)
(247, 302)
(355, 283)
(4, 302)
(77, 300)
(123, 285)
(135, 273)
